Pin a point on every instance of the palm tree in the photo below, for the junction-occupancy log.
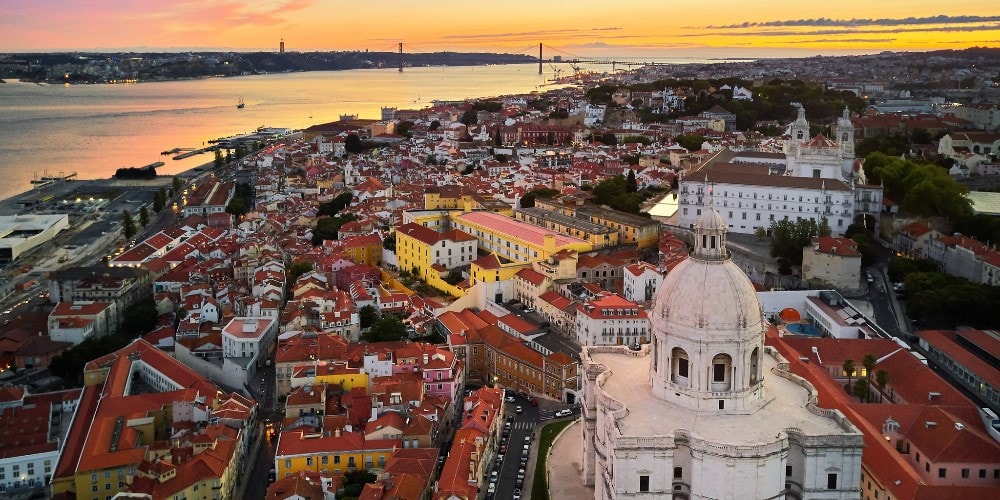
(869, 363)
(882, 378)
(849, 370)
(862, 390)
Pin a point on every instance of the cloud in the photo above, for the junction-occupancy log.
(824, 21)
(549, 34)
(850, 31)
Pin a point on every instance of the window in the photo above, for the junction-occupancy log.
(682, 367)
(788, 471)
(309, 461)
(982, 473)
(678, 472)
(324, 459)
(942, 472)
(643, 483)
(831, 481)
(288, 463)
(336, 459)
(965, 473)
(719, 372)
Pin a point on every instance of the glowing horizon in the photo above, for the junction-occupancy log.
(585, 27)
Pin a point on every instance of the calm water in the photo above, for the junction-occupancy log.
(95, 129)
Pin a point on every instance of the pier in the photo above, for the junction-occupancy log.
(193, 152)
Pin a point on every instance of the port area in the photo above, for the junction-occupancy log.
(94, 210)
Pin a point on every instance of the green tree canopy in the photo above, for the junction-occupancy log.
(528, 200)
(69, 365)
(368, 316)
(923, 189)
(143, 216)
(128, 225)
(386, 329)
(140, 318)
(690, 142)
(327, 228)
(788, 238)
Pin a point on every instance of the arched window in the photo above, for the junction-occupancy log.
(799, 136)
(722, 365)
(680, 369)
(754, 363)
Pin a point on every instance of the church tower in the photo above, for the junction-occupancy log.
(798, 135)
(708, 330)
(845, 138)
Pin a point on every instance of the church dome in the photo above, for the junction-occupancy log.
(713, 298)
(707, 294)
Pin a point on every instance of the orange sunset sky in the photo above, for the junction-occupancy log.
(577, 27)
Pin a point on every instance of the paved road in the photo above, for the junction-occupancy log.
(522, 426)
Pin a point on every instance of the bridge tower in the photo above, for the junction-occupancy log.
(539, 58)
(400, 57)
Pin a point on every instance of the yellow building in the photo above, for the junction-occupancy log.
(515, 240)
(333, 454)
(124, 440)
(328, 373)
(598, 235)
(452, 197)
(632, 229)
(489, 269)
(423, 251)
(364, 249)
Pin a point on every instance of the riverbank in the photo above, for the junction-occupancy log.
(39, 199)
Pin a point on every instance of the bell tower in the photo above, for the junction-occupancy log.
(845, 139)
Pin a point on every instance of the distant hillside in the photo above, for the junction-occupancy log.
(98, 68)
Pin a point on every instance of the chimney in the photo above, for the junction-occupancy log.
(929, 424)
(336, 432)
(933, 395)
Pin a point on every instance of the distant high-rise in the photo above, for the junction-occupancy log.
(281, 46)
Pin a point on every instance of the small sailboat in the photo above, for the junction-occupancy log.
(240, 105)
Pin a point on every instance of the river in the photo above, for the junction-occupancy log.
(94, 129)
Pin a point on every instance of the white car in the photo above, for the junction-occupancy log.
(510, 399)
(564, 413)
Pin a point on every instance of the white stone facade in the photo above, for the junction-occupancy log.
(702, 424)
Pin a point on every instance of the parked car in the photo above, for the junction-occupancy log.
(564, 412)
(510, 399)
(518, 410)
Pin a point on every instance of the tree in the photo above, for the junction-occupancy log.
(849, 371)
(159, 199)
(389, 243)
(470, 118)
(327, 228)
(386, 329)
(143, 216)
(869, 363)
(454, 277)
(218, 158)
(237, 207)
(177, 183)
(690, 142)
(297, 269)
(434, 126)
(760, 233)
(352, 144)
(128, 225)
(140, 318)
(355, 481)
(528, 200)
(881, 378)
(69, 365)
(862, 390)
(630, 184)
(789, 237)
(823, 229)
(368, 316)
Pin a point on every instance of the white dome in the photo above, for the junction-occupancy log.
(701, 298)
(711, 220)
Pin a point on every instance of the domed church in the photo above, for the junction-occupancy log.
(706, 410)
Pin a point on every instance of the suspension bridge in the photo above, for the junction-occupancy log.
(561, 57)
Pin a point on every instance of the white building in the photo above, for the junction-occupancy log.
(20, 233)
(248, 337)
(817, 181)
(32, 436)
(689, 416)
(835, 262)
(611, 320)
(79, 320)
(640, 281)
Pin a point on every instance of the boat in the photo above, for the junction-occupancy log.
(241, 105)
